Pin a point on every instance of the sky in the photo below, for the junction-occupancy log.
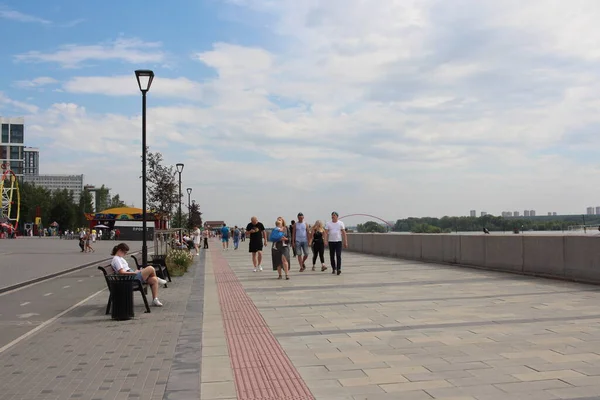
(407, 108)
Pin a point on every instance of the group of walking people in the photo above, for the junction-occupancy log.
(299, 237)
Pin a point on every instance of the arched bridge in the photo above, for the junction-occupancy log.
(371, 216)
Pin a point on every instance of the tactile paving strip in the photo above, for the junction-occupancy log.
(261, 368)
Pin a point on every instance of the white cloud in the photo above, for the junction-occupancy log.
(35, 83)
(5, 101)
(71, 56)
(126, 85)
(7, 13)
(408, 108)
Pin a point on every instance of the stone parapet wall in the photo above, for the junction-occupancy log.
(574, 258)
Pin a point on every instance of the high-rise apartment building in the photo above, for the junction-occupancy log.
(60, 182)
(532, 213)
(31, 161)
(483, 213)
(590, 211)
(526, 213)
(473, 213)
(597, 210)
(516, 214)
(12, 134)
(554, 213)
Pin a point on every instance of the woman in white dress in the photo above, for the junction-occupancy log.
(197, 237)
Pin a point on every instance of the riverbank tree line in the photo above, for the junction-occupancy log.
(62, 207)
(490, 222)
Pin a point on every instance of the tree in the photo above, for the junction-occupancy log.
(32, 197)
(102, 198)
(195, 216)
(59, 206)
(85, 206)
(163, 191)
(371, 227)
(115, 202)
(63, 210)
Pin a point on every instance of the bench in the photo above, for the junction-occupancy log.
(137, 286)
(160, 267)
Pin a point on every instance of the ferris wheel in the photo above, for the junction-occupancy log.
(10, 198)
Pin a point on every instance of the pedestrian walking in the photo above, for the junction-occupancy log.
(258, 236)
(82, 240)
(300, 241)
(225, 237)
(280, 250)
(205, 237)
(335, 237)
(236, 237)
(291, 228)
(317, 244)
(88, 242)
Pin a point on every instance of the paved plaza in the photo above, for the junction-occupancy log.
(384, 329)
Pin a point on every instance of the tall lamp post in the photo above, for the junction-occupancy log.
(189, 192)
(144, 79)
(179, 167)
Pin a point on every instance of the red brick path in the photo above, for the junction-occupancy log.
(261, 368)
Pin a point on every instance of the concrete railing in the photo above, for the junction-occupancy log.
(574, 258)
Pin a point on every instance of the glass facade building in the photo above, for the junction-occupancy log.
(11, 144)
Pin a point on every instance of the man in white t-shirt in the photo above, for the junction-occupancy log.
(335, 237)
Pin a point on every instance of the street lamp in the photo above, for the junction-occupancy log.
(179, 167)
(189, 192)
(144, 79)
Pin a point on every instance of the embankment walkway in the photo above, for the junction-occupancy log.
(384, 329)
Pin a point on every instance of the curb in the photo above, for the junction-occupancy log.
(55, 274)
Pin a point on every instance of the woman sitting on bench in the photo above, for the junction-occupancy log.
(146, 274)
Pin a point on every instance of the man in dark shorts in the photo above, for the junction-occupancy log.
(258, 237)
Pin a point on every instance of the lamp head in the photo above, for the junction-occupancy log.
(179, 167)
(144, 79)
(189, 191)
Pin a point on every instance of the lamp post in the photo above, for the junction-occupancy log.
(189, 192)
(179, 167)
(144, 79)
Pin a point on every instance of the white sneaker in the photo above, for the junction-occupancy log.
(260, 267)
(161, 281)
(156, 302)
(254, 270)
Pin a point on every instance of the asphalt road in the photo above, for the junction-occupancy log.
(24, 259)
(23, 309)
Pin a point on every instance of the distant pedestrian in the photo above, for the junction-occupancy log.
(205, 237)
(335, 237)
(88, 243)
(300, 241)
(236, 237)
(258, 236)
(197, 237)
(225, 237)
(82, 240)
(317, 243)
(291, 228)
